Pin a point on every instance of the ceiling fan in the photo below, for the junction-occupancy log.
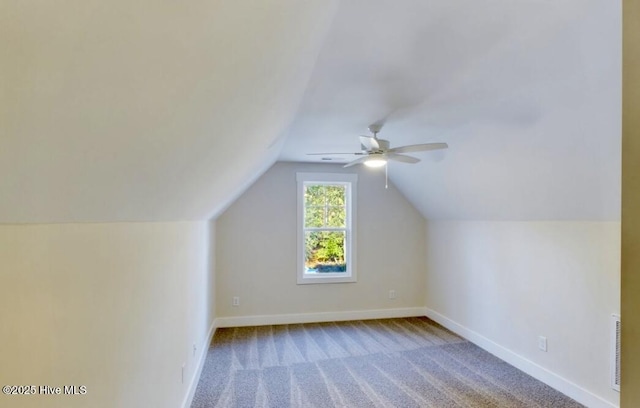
(377, 152)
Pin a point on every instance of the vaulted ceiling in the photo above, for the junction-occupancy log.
(143, 110)
(526, 93)
(121, 111)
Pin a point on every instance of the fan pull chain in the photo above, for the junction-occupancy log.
(386, 175)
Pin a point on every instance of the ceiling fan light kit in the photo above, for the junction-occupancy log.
(375, 161)
(378, 152)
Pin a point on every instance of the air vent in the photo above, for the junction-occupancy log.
(615, 352)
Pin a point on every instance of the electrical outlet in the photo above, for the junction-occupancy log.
(182, 372)
(194, 349)
(392, 294)
(542, 343)
(236, 301)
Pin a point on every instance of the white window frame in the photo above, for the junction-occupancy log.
(350, 181)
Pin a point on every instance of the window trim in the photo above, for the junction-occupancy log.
(350, 180)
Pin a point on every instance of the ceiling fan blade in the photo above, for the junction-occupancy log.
(369, 143)
(356, 161)
(330, 153)
(418, 148)
(402, 158)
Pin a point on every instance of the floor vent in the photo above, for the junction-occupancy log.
(615, 352)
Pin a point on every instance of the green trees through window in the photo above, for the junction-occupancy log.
(325, 215)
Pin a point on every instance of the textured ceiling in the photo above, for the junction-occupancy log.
(144, 110)
(526, 93)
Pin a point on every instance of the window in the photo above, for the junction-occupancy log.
(326, 227)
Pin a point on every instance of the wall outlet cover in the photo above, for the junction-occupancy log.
(542, 343)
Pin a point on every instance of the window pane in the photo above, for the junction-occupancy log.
(314, 195)
(335, 195)
(325, 252)
(314, 217)
(336, 217)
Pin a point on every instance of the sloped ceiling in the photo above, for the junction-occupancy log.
(526, 93)
(140, 111)
(143, 110)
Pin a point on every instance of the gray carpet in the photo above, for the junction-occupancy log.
(410, 362)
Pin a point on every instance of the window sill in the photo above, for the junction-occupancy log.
(315, 278)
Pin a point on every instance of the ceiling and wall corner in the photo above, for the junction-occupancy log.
(146, 111)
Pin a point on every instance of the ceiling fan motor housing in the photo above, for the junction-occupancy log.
(383, 145)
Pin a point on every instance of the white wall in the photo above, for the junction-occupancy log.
(211, 277)
(256, 250)
(513, 281)
(115, 307)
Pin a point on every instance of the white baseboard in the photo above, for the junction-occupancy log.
(193, 384)
(538, 372)
(262, 320)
